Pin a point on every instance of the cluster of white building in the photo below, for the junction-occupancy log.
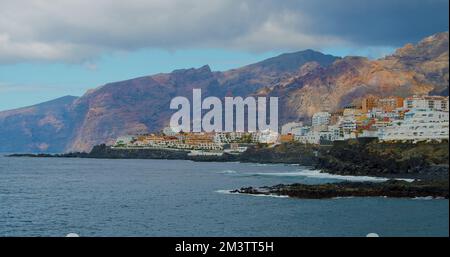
(264, 137)
(418, 125)
(418, 118)
(198, 143)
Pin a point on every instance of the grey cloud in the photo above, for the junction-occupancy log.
(78, 30)
(380, 22)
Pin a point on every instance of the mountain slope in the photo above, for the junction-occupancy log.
(413, 69)
(46, 127)
(248, 79)
(142, 105)
(134, 106)
(305, 81)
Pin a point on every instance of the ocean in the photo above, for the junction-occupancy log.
(94, 197)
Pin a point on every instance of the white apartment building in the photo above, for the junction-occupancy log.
(230, 137)
(320, 131)
(321, 118)
(124, 140)
(300, 131)
(289, 127)
(369, 133)
(335, 132)
(317, 137)
(378, 113)
(347, 126)
(418, 125)
(438, 103)
(169, 131)
(267, 136)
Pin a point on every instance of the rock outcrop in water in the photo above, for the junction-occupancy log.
(390, 188)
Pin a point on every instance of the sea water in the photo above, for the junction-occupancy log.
(94, 197)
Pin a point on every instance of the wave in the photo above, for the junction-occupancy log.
(320, 175)
(262, 164)
(343, 197)
(225, 191)
(227, 172)
(426, 198)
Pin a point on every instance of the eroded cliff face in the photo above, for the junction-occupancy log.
(306, 82)
(413, 69)
(47, 127)
(135, 106)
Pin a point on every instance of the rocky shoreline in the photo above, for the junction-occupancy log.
(427, 163)
(390, 188)
(366, 157)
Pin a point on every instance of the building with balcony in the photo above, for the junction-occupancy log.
(418, 125)
(438, 103)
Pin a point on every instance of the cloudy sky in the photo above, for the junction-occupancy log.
(53, 48)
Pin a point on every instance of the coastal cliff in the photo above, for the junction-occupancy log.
(370, 157)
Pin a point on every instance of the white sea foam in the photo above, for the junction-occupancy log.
(343, 197)
(270, 195)
(225, 191)
(228, 172)
(318, 174)
(428, 198)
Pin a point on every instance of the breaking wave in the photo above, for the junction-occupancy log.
(428, 198)
(227, 172)
(320, 175)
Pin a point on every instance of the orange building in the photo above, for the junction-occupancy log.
(369, 103)
(286, 138)
(197, 139)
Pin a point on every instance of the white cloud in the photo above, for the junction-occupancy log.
(40, 50)
(20, 88)
(79, 30)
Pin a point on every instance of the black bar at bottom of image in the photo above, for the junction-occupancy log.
(223, 246)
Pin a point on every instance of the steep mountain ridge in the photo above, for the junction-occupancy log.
(413, 69)
(45, 127)
(306, 82)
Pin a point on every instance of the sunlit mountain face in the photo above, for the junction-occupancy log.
(306, 82)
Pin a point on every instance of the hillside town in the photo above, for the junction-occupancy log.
(415, 118)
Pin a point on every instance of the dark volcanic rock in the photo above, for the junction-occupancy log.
(391, 188)
(370, 157)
